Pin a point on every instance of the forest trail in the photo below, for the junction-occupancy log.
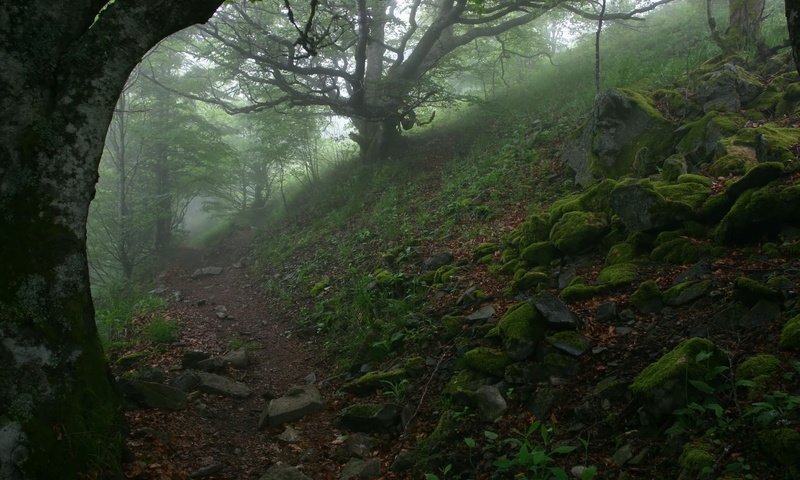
(217, 436)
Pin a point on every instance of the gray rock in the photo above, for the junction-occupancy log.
(437, 260)
(491, 403)
(221, 312)
(607, 312)
(289, 435)
(481, 314)
(371, 417)
(727, 89)
(186, 381)
(153, 395)
(556, 312)
(643, 209)
(191, 358)
(622, 455)
(688, 294)
(357, 468)
(311, 378)
(219, 385)
(206, 271)
(297, 403)
(404, 460)
(542, 401)
(212, 365)
(284, 472)
(208, 470)
(699, 271)
(237, 359)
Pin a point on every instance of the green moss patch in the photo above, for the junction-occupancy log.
(623, 252)
(373, 381)
(680, 251)
(756, 177)
(757, 365)
(487, 360)
(579, 292)
(760, 212)
(790, 335)
(540, 253)
(685, 362)
(647, 298)
(593, 199)
(686, 292)
(781, 444)
(618, 274)
(578, 231)
(749, 291)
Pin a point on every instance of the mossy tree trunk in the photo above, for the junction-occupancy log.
(63, 67)
(744, 27)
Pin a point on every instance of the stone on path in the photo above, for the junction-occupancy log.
(217, 384)
(297, 403)
(208, 470)
(357, 469)
(556, 312)
(237, 359)
(290, 435)
(284, 472)
(371, 417)
(154, 395)
(201, 272)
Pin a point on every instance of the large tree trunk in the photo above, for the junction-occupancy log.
(744, 28)
(63, 67)
(793, 24)
(376, 137)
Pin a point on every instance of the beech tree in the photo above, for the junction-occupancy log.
(63, 67)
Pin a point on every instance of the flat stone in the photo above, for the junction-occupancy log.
(154, 395)
(491, 403)
(219, 385)
(284, 472)
(556, 312)
(212, 365)
(289, 435)
(186, 381)
(481, 314)
(357, 468)
(297, 403)
(206, 271)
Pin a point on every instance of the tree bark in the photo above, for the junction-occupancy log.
(793, 24)
(64, 65)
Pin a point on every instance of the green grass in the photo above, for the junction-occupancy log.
(161, 330)
(115, 310)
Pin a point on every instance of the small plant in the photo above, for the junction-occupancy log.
(395, 390)
(238, 343)
(775, 410)
(161, 330)
(444, 471)
(535, 458)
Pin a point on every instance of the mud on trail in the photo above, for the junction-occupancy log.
(217, 437)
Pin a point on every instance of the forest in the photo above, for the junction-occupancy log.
(401, 239)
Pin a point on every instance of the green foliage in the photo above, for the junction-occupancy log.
(115, 310)
(161, 330)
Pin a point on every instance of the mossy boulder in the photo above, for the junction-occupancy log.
(570, 342)
(535, 228)
(623, 252)
(701, 137)
(686, 292)
(760, 212)
(483, 250)
(750, 292)
(528, 280)
(594, 199)
(641, 208)
(727, 89)
(490, 361)
(733, 163)
(757, 365)
(617, 274)
(789, 100)
(372, 381)
(665, 383)
(673, 167)
(691, 190)
(522, 329)
(578, 290)
(696, 457)
(540, 254)
(680, 251)
(371, 417)
(781, 444)
(756, 177)
(790, 335)
(578, 231)
(647, 298)
(559, 365)
(626, 130)
(694, 178)
(463, 386)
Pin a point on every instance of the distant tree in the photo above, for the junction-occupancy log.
(793, 22)
(64, 65)
(744, 26)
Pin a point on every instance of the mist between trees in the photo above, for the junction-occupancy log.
(235, 116)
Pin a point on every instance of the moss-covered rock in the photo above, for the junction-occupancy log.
(686, 292)
(487, 360)
(540, 253)
(618, 274)
(790, 335)
(680, 251)
(694, 178)
(665, 382)
(578, 231)
(673, 167)
(623, 252)
(576, 343)
(483, 250)
(757, 365)
(691, 190)
(320, 286)
(560, 365)
(702, 136)
(522, 329)
(535, 228)
(641, 208)
(749, 291)
(594, 199)
(372, 381)
(735, 162)
(528, 280)
(756, 177)
(760, 212)
(647, 298)
(781, 445)
(696, 457)
(578, 292)
(714, 209)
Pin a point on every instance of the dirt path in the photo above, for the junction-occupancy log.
(216, 436)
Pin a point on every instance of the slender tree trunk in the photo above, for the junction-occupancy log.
(793, 24)
(597, 48)
(63, 67)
